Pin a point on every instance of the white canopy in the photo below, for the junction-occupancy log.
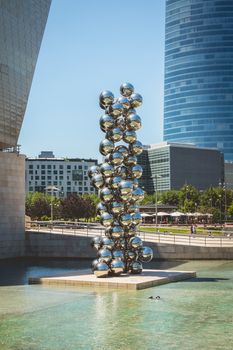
(162, 213)
(145, 215)
(177, 213)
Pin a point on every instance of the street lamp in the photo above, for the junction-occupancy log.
(156, 204)
(52, 189)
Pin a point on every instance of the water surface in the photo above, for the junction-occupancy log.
(193, 314)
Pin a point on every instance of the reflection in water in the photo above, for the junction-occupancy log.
(188, 315)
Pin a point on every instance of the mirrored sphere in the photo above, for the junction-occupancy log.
(105, 255)
(136, 171)
(136, 100)
(136, 267)
(93, 264)
(96, 242)
(115, 135)
(130, 160)
(116, 110)
(106, 98)
(135, 184)
(117, 207)
(133, 122)
(118, 254)
(106, 219)
(125, 102)
(125, 219)
(136, 148)
(126, 89)
(136, 218)
(101, 208)
(122, 243)
(121, 171)
(108, 243)
(135, 242)
(106, 147)
(132, 231)
(123, 150)
(101, 269)
(130, 255)
(137, 195)
(132, 207)
(129, 136)
(97, 181)
(117, 266)
(114, 182)
(120, 123)
(126, 187)
(116, 158)
(115, 232)
(106, 122)
(93, 170)
(126, 197)
(106, 194)
(107, 169)
(145, 254)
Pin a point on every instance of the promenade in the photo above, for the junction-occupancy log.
(153, 237)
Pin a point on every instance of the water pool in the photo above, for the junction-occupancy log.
(193, 314)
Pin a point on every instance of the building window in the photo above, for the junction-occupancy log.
(30, 172)
(43, 172)
(30, 166)
(43, 166)
(61, 172)
(60, 166)
(49, 166)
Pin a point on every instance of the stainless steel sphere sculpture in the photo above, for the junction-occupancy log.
(120, 251)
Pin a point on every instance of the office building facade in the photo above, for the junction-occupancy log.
(169, 166)
(68, 175)
(198, 101)
(22, 25)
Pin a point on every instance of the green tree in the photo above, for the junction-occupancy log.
(188, 198)
(37, 205)
(170, 197)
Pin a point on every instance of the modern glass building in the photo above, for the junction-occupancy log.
(198, 103)
(169, 166)
(22, 25)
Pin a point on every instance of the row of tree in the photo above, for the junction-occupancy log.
(217, 201)
(38, 206)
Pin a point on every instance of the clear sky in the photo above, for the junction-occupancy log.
(89, 46)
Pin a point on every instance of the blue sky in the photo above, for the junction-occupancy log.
(89, 46)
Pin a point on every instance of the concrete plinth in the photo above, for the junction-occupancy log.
(148, 278)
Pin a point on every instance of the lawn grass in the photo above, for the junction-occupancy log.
(182, 230)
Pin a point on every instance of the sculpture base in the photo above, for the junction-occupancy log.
(148, 278)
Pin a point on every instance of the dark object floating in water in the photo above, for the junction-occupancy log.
(156, 298)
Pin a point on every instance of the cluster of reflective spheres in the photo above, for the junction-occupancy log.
(117, 181)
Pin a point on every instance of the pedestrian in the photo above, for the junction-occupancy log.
(191, 229)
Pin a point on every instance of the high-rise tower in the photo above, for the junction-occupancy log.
(198, 105)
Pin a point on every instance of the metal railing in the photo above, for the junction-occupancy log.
(90, 229)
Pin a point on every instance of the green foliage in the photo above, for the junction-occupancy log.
(76, 207)
(170, 197)
(37, 205)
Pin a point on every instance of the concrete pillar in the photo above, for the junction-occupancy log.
(12, 205)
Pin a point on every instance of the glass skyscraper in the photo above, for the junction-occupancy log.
(22, 24)
(198, 102)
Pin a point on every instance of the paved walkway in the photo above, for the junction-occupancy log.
(191, 240)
